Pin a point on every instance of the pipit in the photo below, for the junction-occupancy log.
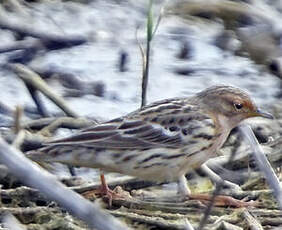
(161, 141)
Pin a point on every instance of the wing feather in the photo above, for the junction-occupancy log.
(138, 132)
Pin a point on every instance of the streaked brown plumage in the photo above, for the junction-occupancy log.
(160, 142)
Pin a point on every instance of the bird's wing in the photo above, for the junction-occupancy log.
(168, 125)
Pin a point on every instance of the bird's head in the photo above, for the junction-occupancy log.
(231, 103)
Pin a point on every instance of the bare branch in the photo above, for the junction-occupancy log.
(263, 163)
(36, 177)
(31, 78)
(252, 221)
(10, 222)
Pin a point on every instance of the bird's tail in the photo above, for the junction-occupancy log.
(38, 155)
(50, 153)
(66, 154)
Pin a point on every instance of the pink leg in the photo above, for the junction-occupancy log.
(117, 193)
(223, 200)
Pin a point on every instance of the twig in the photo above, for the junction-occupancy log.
(30, 194)
(14, 6)
(172, 204)
(10, 222)
(263, 163)
(51, 41)
(20, 45)
(188, 225)
(127, 182)
(34, 176)
(252, 222)
(18, 116)
(38, 124)
(39, 104)
(216, 178)
(26, 211)
(155, 221)
(252, 195)
(67, 122)
(31, 78)
(19, 139)
(225, 225)
(228, 11)
(29, 142)
(216, 192)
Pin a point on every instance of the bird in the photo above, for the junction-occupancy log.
(159, 142)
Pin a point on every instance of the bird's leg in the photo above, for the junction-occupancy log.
(105, 190)
(219, 200)
(183, 188)
(117, 193)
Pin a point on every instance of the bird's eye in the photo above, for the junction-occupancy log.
(238, 106)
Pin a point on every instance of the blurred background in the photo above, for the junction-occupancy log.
(197, 44)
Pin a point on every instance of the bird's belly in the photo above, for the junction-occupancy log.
(153, 165)
(156, 173)
(160, 164)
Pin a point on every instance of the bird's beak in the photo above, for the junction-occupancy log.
(260, 113)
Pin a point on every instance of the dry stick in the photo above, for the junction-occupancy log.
(188, 225)
(58, 122)
(263, 163)
(228, 11)
(19, 45)
(160, 223)
(252, 222)
(27, 211)
(35, 96)
(67, 122)
(17, 142)
(38, 123)
(219, 186)
(216, 178)
(34, 82)
(19, 139)
(15, 6)
(34, 176)
(11, 222)
(126, 182)
(32, 78)
(44, 36)
(17, 119)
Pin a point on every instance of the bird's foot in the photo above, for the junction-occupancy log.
(221, 200)
(110, 195)
(116, 194)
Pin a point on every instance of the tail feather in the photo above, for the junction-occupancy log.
(50, 153)
(67, 154)
(37, 155)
